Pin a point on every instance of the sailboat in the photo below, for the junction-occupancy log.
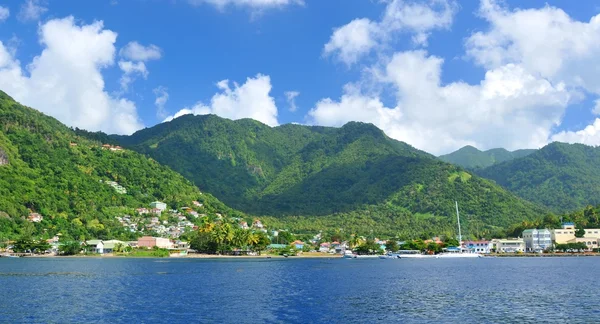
(460, 253)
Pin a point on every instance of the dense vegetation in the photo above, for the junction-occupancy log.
(471, 158)
(46, 168)
(563, 177)
(311, 178)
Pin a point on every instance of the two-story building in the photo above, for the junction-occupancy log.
(478, 246)
(508, 245)
(566, 234)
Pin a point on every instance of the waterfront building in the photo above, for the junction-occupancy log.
(566, 233)
(96, 246)
(478, 246)
(537, 240)
(509, 245)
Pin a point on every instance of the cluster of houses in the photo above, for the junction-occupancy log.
(256, 225)
(111, 147)
(149, 220)
(109, 246)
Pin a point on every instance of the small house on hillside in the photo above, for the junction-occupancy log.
(35, 218)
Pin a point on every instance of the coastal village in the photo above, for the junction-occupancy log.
(159, 227)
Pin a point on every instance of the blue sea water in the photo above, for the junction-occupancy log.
(487, 290)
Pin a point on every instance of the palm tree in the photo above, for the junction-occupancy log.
(240, 238)
(223, 234)
(253, 239)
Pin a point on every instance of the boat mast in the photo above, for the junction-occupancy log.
(458, 220)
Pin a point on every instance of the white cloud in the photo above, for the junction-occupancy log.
(4, 13)
(135, 54)
(65, 80)
(162, 96)
(351, 42)
(249, 100)
(254, 4)
(135, 51)
(509, 107)
(290, 96)
(32, 10)
(590, 135)
(546, 42)
(130, 70)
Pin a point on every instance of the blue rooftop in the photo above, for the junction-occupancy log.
(568, 223)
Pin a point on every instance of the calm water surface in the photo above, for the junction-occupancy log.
(494, 290)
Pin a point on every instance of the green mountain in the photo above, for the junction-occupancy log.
(76, 185)
(471, 158)
(563, 177)
(335, 176)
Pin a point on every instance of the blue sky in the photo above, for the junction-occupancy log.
(437, 74)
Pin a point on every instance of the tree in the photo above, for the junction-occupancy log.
(119, 247)
(392, 245)
(285, 237)
(262, 242)
(203, 242)
(580, 232)
(23, 245)
(450, 241)
(70, 248)
(369, 247)
(433, 247)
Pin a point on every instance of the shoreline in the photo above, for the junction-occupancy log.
(301, 256)
(189, 256)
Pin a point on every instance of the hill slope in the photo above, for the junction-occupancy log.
(346, 173)
(563, 177)
(46, 168)
(471, 158)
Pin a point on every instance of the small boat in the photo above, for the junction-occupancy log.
(9, 256)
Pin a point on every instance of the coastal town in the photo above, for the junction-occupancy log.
(159, 228)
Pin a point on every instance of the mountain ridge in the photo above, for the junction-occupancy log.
(470, 157)
(561, 176)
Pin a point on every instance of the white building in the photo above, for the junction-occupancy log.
(537, 240)
(159, 205)
(509, 245)
(478, 246)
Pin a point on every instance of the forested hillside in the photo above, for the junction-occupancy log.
(46, 168)
(563, 177)
(471, 158)
(344, 174)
